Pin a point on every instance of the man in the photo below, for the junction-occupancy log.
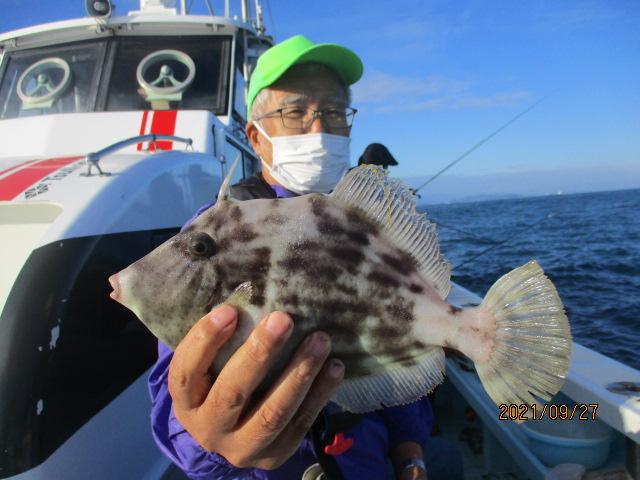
(299, 125)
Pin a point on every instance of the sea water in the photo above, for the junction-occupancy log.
(588, 244)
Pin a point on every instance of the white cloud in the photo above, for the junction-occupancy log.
(380, 87)
(393, 93)
(582, 15)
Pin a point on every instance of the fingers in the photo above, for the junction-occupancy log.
(246, 369)
(189, 380)
(322, 389)
(283, 399)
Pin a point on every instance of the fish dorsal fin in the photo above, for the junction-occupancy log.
(391, 205)
(223, 193)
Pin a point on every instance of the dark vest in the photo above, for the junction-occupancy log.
(251, 188)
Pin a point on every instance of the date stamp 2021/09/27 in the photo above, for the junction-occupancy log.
(521, 412)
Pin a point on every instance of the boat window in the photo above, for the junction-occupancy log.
(59, 79)
(239, 84)
(162, 73)
(239, 103)
(66, 349)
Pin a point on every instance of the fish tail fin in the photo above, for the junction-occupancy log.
(532, 345)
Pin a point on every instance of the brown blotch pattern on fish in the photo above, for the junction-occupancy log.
(382, 279)
(402, 263)
(454, 310)
(386, 334)
(276, 219)
(264, 252)
(223, 244)
(358, 237)
(415, 288)
(236, 213)
(330, 227)
(253, 266)
(244, 233)
(318, 205)
(349, 255)
(359, 222)
(402, 313)
(323, 273)
(304, 247)
(337, 330)
(291, 301)
(215, 217)
(346, 289)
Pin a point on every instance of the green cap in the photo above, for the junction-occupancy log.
(296, 50)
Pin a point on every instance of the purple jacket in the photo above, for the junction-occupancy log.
(373, 436)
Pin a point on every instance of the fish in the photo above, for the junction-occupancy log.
(362, 264)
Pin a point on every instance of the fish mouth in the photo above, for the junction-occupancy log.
(115, 284)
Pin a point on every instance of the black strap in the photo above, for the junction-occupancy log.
(331, 421)
(318, 439)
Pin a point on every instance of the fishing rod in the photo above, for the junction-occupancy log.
(480, 143)
(508, 239)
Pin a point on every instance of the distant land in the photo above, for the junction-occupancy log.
(455, 188)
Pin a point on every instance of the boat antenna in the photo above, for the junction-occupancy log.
(480, 143)
(209, 7)
(273, 24)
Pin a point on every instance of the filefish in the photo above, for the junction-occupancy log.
(364, 266)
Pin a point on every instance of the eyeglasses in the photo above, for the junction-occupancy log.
(302, 118)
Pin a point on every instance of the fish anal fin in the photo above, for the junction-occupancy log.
(395, 385)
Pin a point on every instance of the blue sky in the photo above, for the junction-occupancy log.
(441, 75)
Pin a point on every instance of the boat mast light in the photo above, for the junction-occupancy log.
(99, 8)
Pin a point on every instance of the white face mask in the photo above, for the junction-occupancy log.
(312, 162)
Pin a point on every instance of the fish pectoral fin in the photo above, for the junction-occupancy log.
(397, 384)
(241, 296)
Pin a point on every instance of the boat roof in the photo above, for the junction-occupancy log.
(135, 22)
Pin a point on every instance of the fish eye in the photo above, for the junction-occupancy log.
(201, 245)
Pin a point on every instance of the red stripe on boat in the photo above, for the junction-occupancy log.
(163, 123)
(15, 167)
(18, 182)
(143, 127)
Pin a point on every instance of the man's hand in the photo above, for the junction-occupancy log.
(217, 413)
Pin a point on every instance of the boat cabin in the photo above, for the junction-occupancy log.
(115, 130)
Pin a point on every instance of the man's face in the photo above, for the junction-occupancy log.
(302, 86)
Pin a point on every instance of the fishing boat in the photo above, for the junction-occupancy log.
(114, 130)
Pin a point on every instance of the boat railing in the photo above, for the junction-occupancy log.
(93, 158)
